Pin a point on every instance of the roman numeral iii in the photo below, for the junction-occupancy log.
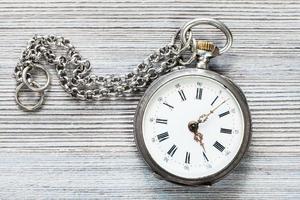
(225, 130)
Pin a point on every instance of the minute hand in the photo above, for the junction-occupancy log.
(204, 117)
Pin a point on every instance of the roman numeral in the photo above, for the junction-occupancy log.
(212, 103)
(187, 157)
(199, 93)
(225, 130)
(182, 95)
(223, 114)
(204, 155)
(161, 121)
(163, 136)
(168, 105)
(219, 146)
(172, 150)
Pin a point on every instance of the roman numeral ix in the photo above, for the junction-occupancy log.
(161, 121)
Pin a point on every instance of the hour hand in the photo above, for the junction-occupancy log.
(199, 138)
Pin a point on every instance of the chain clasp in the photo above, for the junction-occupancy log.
(33, 86)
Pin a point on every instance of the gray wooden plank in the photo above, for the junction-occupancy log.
(76, 150)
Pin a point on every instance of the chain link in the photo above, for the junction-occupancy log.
(76, 78)
(81, 83)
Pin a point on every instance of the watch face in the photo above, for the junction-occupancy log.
(192, 127)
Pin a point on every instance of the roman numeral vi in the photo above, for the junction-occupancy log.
(187, 157)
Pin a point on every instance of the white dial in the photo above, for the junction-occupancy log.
(193, 154)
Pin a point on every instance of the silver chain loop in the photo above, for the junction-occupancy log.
(81, 83)
(76, 78)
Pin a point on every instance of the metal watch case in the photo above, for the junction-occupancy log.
(138, 129)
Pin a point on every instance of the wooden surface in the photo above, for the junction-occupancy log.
(80, 150)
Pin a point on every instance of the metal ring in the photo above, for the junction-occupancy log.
(34, 107)
(38, 88)
(213, 22)
(177, 34)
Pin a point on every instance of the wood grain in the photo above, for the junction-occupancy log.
(80, 150)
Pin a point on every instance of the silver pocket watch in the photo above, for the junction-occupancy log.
(192, 126)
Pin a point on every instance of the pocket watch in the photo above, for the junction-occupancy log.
(192, 126)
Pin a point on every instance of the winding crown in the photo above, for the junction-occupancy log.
(205, 45)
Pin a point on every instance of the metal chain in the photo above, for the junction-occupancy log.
(76, 78)
(81, 83)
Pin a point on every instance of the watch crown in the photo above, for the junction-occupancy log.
(207, 46)
(205, 50)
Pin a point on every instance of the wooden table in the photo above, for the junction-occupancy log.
(79, 150)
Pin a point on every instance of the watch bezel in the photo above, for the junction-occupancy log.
(138, 122)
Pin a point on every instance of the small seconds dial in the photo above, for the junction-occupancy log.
(193, 127)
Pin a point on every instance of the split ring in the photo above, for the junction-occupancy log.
(37, 105)
(213, 22)
(38, 88)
